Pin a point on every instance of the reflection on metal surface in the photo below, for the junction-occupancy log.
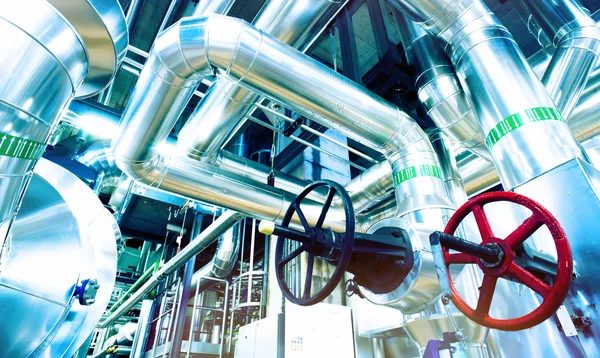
(62, 235)
(49, 73)
(102, 29)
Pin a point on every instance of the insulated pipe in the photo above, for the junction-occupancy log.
(201, 242)
(100, 158)
(439, 92)
(222, 263)
(525, 133)
(225, 105)
(193, 47)
(40, 78)
(479, 174)
(577, 40)
(205, 7)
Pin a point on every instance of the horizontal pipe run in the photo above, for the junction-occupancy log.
(201, 242)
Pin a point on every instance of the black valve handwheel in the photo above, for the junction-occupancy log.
(315, 243)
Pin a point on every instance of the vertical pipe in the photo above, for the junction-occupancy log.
(179, 322)
(139, 344)
(525, 133)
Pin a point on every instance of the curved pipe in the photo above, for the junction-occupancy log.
(223, 108)
(222, 263)
(577, 40)
(439, 92)
(192, 48)
(100, 157)
(520, 124)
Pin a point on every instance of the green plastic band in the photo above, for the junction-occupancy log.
(20, 148)
(517, 120)
(423, 170)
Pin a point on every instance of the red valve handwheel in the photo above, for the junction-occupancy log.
(553, 296)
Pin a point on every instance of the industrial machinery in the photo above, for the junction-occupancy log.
(299, 178)
(380, 261)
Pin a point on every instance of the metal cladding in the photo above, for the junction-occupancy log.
(26, 117)
(577, 40)
(54, 232)
(61, 236)
(223, 108)
(190, 49)
(519, 123)
(103, 31)
(438, 89)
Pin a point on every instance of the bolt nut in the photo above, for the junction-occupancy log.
(445, 299)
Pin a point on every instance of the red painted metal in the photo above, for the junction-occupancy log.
(553, 296)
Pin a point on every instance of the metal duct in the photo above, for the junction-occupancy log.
(205, 7)
(525, 133)
(188, 51)
(26, 118)
(61, 236)
(479, 174)
(223, 108)
(438, 89)
(202, 241)
(577, 40)
(99, 157)
(222, 263)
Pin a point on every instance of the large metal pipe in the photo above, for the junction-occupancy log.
(439, 92)
(525, 133)
(577, 40)
(225, 105)
(31, 104)
(192, 48)
(584, 121)
(201, 242)
(205, 7)
(222, 262)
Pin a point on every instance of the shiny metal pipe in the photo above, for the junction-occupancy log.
(370, 187)
(205, 7)
(100, 158)
(479, 175)
(522, 125)
(577, 40)
(201, 242)
(188, 51)
(439, 92)
(30, 103)
(226, 103)
(222, 262)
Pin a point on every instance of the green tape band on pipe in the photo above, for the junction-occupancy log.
(517, 120)
(423, 170)
(20, 148)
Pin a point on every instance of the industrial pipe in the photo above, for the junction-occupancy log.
(201, 242)
(225, 105)
(222, 262)
(177, 64)
(30, 105)
(438, 89)
(521, 124)
(577, 40)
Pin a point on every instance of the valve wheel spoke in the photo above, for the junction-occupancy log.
(507, 268)
(302, 217)
(459, 258)
(293, 255)
(482, 222)
(486, 294)
(326, 207)
(524, 231)
(529, 280)
(309, 271)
